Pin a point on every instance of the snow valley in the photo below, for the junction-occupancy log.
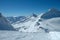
(45, 26)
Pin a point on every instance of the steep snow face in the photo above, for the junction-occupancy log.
(15, 19)
(52, 13)
(4, 24)
(30, 25)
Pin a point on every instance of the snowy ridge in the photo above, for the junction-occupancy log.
(52, 13)
(35, 23)
(28, 26)
(4, 24)
(35, 27)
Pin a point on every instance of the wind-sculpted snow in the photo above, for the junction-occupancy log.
(14, 35)
(55, 35)
(51, 24)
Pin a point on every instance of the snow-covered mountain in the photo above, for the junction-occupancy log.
(35, 23)
(4, 24)
(24, 26)
(53, 22)
(52, 13)
(35, 27)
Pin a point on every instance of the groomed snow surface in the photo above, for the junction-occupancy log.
(14, 35)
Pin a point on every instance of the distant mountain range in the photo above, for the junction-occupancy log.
(15, 19)
(48, 21)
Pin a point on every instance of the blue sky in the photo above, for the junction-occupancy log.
(27, 7)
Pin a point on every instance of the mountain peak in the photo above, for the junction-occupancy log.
(52, 13)
(34, 15)
(4, 23)
(0, 14)
(53, 9)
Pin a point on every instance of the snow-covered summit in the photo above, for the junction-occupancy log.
(52, 13)
(53, 9)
